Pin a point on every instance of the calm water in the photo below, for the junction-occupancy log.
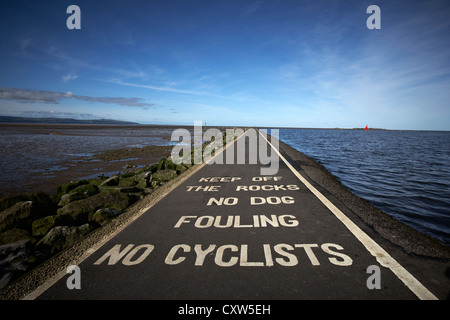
(404, 173)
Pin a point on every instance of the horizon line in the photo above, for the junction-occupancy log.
(133, 123)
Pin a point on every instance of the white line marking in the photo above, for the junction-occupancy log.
(51, 281)
(374, 248)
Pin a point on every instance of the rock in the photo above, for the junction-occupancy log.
(13, 253)
(22, 213)
(14, 235)
(102, 216)
(87, 189)
(121, 189)
(153, 168)
(127, 182)
(143, 180)
(62, 237)
(73, 234)
(147, 191)
(81, 192)
(97, 182)
(142, 184)
(70, 197)
(54, 239)
(113, 181)
(18, 216)
(181, 168)
(15, 259)
(164, 175)
(144, 176)
(41, 201)
(80, 211)
(154, 184)
(5, 279)
(161, 164)
(169, 164)
(9, 201)
(67, 187)
(41, 226)
(165, 164)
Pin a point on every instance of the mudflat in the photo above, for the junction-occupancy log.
(38, 157)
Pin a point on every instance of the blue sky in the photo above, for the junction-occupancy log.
(241, 63)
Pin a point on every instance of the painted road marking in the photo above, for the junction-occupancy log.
(374, 248)
(226, 255)
(53, 280)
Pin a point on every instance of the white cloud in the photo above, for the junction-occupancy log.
(68, 77)
(159, 88)
(56, 114)
(52, 97)
(33, 96)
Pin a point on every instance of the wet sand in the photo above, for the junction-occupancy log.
(97, 153)
(103, 164)
(92, 165)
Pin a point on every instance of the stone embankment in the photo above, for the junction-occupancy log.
(34, 227)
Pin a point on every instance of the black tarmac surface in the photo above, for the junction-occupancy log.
(228, 232)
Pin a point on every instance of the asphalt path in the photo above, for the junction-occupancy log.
(228, 232)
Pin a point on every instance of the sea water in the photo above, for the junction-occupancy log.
(404, 173)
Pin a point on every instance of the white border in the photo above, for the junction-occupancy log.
(374, 248)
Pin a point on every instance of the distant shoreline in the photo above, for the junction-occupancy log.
(24, 120)
(9, 120)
